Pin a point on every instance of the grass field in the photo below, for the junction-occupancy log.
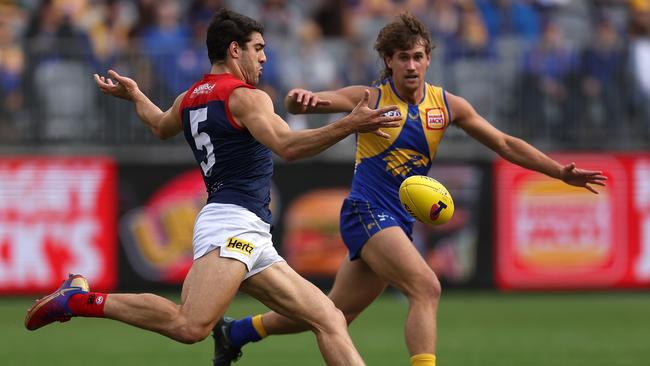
(475, 328)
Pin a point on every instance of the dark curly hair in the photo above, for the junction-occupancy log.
(402, 34)
(225, 27)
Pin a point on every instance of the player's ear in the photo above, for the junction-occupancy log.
(234, 50)
(388, 62)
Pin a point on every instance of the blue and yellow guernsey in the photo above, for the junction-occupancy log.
(382, 164)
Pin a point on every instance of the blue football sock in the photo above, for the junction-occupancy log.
(242, 331)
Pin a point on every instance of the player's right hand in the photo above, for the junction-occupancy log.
(123, 87)
(306, 98)
(366, 119)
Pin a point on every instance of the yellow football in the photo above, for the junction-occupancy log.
(426, 199)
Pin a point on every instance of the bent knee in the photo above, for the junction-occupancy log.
(426, 287)
(191, 334)
(330, 318)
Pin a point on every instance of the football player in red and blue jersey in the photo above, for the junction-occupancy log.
(232, 130)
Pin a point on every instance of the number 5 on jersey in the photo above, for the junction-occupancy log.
(202, 139)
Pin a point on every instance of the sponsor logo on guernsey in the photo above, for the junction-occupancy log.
(435, 119)
(203, 89)
(240, 246)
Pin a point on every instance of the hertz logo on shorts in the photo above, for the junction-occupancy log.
(241, 246)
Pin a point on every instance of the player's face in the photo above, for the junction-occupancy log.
(409, 67)
(252, 59)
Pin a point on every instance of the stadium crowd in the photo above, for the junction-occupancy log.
(575, 72)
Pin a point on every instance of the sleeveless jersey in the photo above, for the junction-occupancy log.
(382, 164)
(236, 168)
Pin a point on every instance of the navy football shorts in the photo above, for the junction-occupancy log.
(360, 220)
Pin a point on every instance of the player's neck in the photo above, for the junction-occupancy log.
(410, 96)
(225, 68)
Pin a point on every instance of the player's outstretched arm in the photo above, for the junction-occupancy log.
(299, 101)
(518, 151)
(253, 109)
(162, 124)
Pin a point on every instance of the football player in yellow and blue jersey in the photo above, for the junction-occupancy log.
(374, 226)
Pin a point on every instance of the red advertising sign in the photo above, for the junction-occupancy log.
(57, 216)
(551, 235)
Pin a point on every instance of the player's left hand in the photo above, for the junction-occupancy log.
(582, 178)
(123, 87)
(306, 98)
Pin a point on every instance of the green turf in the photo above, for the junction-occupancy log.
(475, 329)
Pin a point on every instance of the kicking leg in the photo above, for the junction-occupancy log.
(287, 293)
(208, 290)
(209, 287)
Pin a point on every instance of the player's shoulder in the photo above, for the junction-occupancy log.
(458, 105)
(248, 98)
(249, 94)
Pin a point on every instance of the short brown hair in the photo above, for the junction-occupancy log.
(401, 34)
(228, 26)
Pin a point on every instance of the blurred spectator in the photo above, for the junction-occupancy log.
(146, 12)
(163, 44)
(205, 8)
(282, 20)
(327, 43)
(59, 62)
(468, 61)
(603, 82)
(369, 16)
(546, 70)
(52, 36)
(445, 20)
(11, 69)
(510, 18)
(471, 40)
(640, 58)
(192, 59)
(361, 67)
(333, 19)
(109, 32)
(422, 9)
(310, 66)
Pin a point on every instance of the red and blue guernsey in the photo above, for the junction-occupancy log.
(236, 168)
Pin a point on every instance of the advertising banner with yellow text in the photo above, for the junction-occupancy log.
(550, 235)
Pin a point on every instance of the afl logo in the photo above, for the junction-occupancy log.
(395, 113)
(435, 119)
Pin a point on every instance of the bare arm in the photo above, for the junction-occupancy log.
(300, 101)
(253, 109)
(162, 124)
(518, 151)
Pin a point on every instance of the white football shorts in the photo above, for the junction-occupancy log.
(237, 233)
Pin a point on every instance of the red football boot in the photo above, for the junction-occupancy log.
(54, 307)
